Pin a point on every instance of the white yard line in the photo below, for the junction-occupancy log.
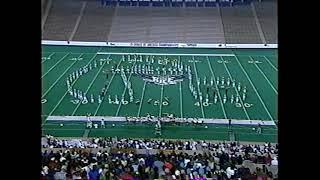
(91, 83)
(61, 99)
(159, 54)
(242, 104)
(254, 89)
(107, 88)
(180, 89)
(48, 57)
(54, 65)
(161, 97)
(264, 76)
(51, 54)
(199, 90)
(215, 83)
(142, 95)
(270, 63)
(124, 91)
(59, 78)
(181, 112)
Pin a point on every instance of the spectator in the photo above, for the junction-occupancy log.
(61, 174)
(218, 162)
(274, 161)
(94, 173)
(230, 172)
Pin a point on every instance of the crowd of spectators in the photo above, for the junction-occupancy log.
(234, 147)
(72, 164)
(219, 160)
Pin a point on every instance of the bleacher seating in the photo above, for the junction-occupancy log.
(239, 25)
(203, 26)
(129, 24)
(61, 19)
(167, 25)
(95, 23)
(160, 24)
(267, 14)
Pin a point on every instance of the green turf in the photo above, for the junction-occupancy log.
(260, 80)
(213, 132)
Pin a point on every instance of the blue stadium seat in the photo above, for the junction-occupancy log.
(177, 3)
(167, 3)
(241, 2)
(200, 3)
(225, 3)
(134, 2)
(124, 3)
(157, 3)
(111, 2)
(191, 3)
(210, 3)
(144, 2)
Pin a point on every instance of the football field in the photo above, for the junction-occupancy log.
(113, 83)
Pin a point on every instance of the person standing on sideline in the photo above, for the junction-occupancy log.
(89, 123)
(102, 123)
(229, 125)
(259, 129)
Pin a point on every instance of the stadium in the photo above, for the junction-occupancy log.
(189, 84)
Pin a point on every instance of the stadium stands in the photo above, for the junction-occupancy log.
(61, 20)
(216, 24)
(267, 14)
(191, 25)
(95, 23)
(167, 25)
(239, 25)
(129, 24)
(204, 26)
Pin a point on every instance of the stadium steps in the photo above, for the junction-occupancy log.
(267, 15)
(221, 23)
(84, 4)
(46, 9)
(61, 19)
(239, 25)
(148, 25)
(263, 39)
(43, 7)
(110, 23)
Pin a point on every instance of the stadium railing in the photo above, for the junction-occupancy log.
(163, 45)
(176, 3)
